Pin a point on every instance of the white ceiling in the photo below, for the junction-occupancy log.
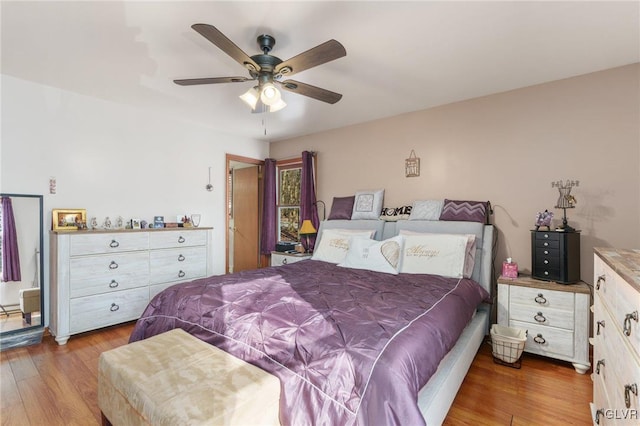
(401, 56)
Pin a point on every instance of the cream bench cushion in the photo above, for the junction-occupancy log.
(176, 379)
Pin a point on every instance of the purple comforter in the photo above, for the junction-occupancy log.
(349, 346)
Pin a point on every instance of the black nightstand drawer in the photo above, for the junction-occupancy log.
(548, 235)
(555, 256)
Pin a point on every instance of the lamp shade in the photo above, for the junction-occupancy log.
(307, 228)
(270, 94)
(251, 97)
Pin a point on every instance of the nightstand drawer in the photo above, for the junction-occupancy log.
(549, 244)
(541, 298)
(542, 316)
(548, 341)
(279, 259)
(547, 236)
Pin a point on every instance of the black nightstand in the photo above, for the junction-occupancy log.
(555, 256)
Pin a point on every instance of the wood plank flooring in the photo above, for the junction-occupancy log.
(57, 385)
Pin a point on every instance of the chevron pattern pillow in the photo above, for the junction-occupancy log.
(467, 211)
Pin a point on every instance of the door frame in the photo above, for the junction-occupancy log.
(247, 160)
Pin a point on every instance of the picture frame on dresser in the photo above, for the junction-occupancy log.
(68, 219)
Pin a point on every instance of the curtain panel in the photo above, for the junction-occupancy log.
(308, 208)
(10, 256)
(269, 211)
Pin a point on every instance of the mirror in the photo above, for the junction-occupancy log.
(22, 300)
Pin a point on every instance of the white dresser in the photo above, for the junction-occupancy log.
(102, 278)
(616, 337)
(555, 316)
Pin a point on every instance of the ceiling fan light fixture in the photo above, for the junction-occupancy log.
(251, 97)
(277, 106)
(270, 94)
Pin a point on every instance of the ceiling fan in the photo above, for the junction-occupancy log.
(268, 70)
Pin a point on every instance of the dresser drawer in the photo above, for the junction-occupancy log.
(604, 283)
(627, 313)
(547, 236)
(602, 405)
(174, 265)
(169, 239)
(541, 298)
(279, 259)
(91, 312)
(81, 245)
(553, 342)
(105, 273)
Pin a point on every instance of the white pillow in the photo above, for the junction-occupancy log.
(426, 210)
(437, 254)
(470, 250)
(372, 255)
(368, 204)
(334, 243)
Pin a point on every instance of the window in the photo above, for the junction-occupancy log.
(289, 179)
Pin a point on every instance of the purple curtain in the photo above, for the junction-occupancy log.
(10, 257)
(269, 231)
(308, 207)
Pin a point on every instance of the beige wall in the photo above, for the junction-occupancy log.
(506, 148)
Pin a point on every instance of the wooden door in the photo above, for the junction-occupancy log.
(245, 210)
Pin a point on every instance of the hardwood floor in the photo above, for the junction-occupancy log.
(57, 385)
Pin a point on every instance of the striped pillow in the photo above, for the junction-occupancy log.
(467, 211)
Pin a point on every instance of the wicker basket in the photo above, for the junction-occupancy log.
(508, 345)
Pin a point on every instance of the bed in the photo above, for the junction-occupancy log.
(350, 345)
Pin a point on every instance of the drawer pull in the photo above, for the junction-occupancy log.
(546, 244)
(540, 299)
(113, 284)
(546, 272)
(546, 252)
(539, 339)
(599, 412)
(114, 244)
(284, 261)
(114, 307)
(113, 265)
(181, 274)
(539, 317)
(629, 389)
(627, 322)
(546, 262)
(601, 279)
(181, 239)
(598, 365)
(600, 324)
(181, 258)
(546, 235)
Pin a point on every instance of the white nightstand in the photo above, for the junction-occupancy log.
(556, 317)
(278, 259)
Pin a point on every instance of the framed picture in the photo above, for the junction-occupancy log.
(135, 223)
(69, 219)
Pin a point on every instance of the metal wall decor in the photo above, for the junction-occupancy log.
(412, 165)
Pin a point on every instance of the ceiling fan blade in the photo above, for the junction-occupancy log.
(212, 80)
(212, 34)
(314, 92)
(326, 52)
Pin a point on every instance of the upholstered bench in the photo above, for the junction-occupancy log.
(176, 379)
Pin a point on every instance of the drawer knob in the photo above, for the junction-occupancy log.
(546, 272)
(539, 339)
(600, 324)
(181, 258)
(181, 274)
(113, 265)
(599, 412)
(181, 239)
(602, 280)
(114, 244)
(546, 262)
(546, 252)
(113, 284)
(540, 299)
(627, 322)
(539, 317)
(546, 244)
(628, 389)
(284, 261)
(114, 307)
(546, 235)
(598, 365)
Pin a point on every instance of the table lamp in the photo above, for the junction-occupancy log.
(307, 229)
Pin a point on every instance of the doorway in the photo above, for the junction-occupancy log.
(244, 207)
